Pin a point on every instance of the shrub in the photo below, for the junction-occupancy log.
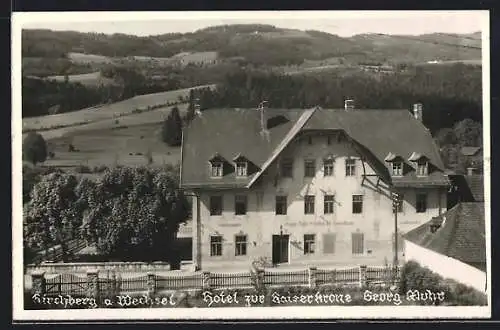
(414, 276)
(100, 168)
(34, 148)
(83, 169)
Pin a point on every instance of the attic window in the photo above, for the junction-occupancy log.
(216, 170)
(422, 167)
(241, 169)
(397, 168)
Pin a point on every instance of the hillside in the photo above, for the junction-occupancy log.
(256, 44)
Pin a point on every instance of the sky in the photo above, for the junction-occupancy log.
(341, 23)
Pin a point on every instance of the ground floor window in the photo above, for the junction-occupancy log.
(240, 243)
(309, 243)
(357, 243)
(216, 245)
(329, 243)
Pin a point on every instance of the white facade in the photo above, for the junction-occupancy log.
(260, 223)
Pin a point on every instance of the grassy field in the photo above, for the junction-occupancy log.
(144, 118)
(87, 79)
(468, 62)
(111, 135)
(111, 146)
(104, 112)
(89, 58)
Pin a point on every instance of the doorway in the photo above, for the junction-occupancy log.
(280, 249)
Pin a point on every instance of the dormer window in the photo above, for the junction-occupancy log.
(422, 168)
(216, 169)
(241, 169)
(216, 166)
(241, 166)
(397, 168)
(421, 164)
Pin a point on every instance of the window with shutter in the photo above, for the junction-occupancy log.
(329, 243)
(357, 243)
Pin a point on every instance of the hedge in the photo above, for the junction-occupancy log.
(414, 276)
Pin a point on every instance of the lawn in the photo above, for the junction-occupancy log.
(97, 113)
(93, 79)
(89, 58)
(121, 145)
(147, 117)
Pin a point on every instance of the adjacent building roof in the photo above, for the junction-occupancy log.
(461, 234)
(468, 188)
(230, 132)
(475, 183)
(470, 151)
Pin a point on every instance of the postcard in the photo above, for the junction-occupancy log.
(251, 165)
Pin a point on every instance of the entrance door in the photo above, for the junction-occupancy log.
(280, 249)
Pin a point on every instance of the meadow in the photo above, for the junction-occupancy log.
(89, 58)
(103, 112)
(112, 146)
(93, 79)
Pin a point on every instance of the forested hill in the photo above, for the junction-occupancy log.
(259, 44)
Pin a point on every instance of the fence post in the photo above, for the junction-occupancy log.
(362, 276)
(333, 276)
(312, 277)
(151, 284)
(38, 283)
(260, 278)
(206, 281)
(93, 283)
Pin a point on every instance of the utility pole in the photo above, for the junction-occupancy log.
(395, 207)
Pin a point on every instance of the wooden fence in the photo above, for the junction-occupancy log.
(108, 283)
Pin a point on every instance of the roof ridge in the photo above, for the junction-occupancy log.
(303, 119)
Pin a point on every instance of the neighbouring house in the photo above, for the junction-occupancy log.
(453, 244)
(308, 185)
(465, 188)
(474, 157)
(197, 58)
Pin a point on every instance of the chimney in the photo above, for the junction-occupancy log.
(417, 111)
(262, 109)
(348, 104)
(470, 171)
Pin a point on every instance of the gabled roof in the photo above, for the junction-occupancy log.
(230, 132)
(469, 151)
(233, 131)
(461, 235)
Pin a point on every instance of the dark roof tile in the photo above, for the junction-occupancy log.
(461, 235)
(233, 131)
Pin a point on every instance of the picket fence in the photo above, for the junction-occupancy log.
(104, 283)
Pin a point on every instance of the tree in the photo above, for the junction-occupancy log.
(446, 136)
(52, 215)
(171, 132)
(469, 133)
(134, 213)
(34, 148)
(191, 107)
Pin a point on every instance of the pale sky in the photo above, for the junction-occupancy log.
(343, 23)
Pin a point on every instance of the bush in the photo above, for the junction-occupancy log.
(414, 276)
(100, 168)
(83, 169)
(34, 148)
